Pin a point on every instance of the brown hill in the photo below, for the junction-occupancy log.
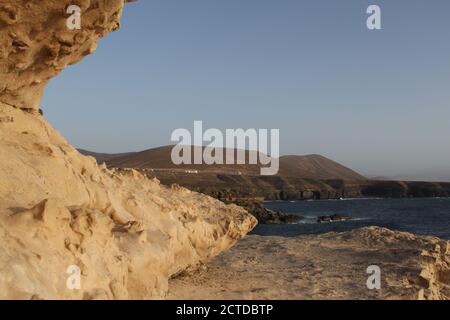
(103, 157)
(160, 159)
(316, 167)
(306, 167)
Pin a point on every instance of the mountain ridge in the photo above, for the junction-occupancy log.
(310, 166)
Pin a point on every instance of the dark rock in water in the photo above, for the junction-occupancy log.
(332, 218)
(264, 215)
(276, 217)
(254, 205)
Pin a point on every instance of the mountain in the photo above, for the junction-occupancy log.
(315, 167)
(103, 157)
(299, 178)
(305, 167)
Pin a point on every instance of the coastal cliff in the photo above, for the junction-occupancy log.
(59, 210)
(123, 233)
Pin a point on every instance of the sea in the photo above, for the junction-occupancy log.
(430, 216)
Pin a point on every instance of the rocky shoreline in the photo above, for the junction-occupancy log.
(262, 214)
(291, 188)
(333, 218)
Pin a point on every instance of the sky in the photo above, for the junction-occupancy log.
(377, 101)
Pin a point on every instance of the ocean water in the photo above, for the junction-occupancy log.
(420, 216)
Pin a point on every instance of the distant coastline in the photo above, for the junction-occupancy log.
(301, 178)
(311, 177)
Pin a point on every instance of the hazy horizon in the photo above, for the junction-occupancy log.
(374, 101)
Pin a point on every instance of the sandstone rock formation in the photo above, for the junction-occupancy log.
(127, 234)
(36, 45)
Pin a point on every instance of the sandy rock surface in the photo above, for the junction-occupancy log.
(328, 266)
(127, 233)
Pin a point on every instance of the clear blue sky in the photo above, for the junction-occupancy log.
(377, 101)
